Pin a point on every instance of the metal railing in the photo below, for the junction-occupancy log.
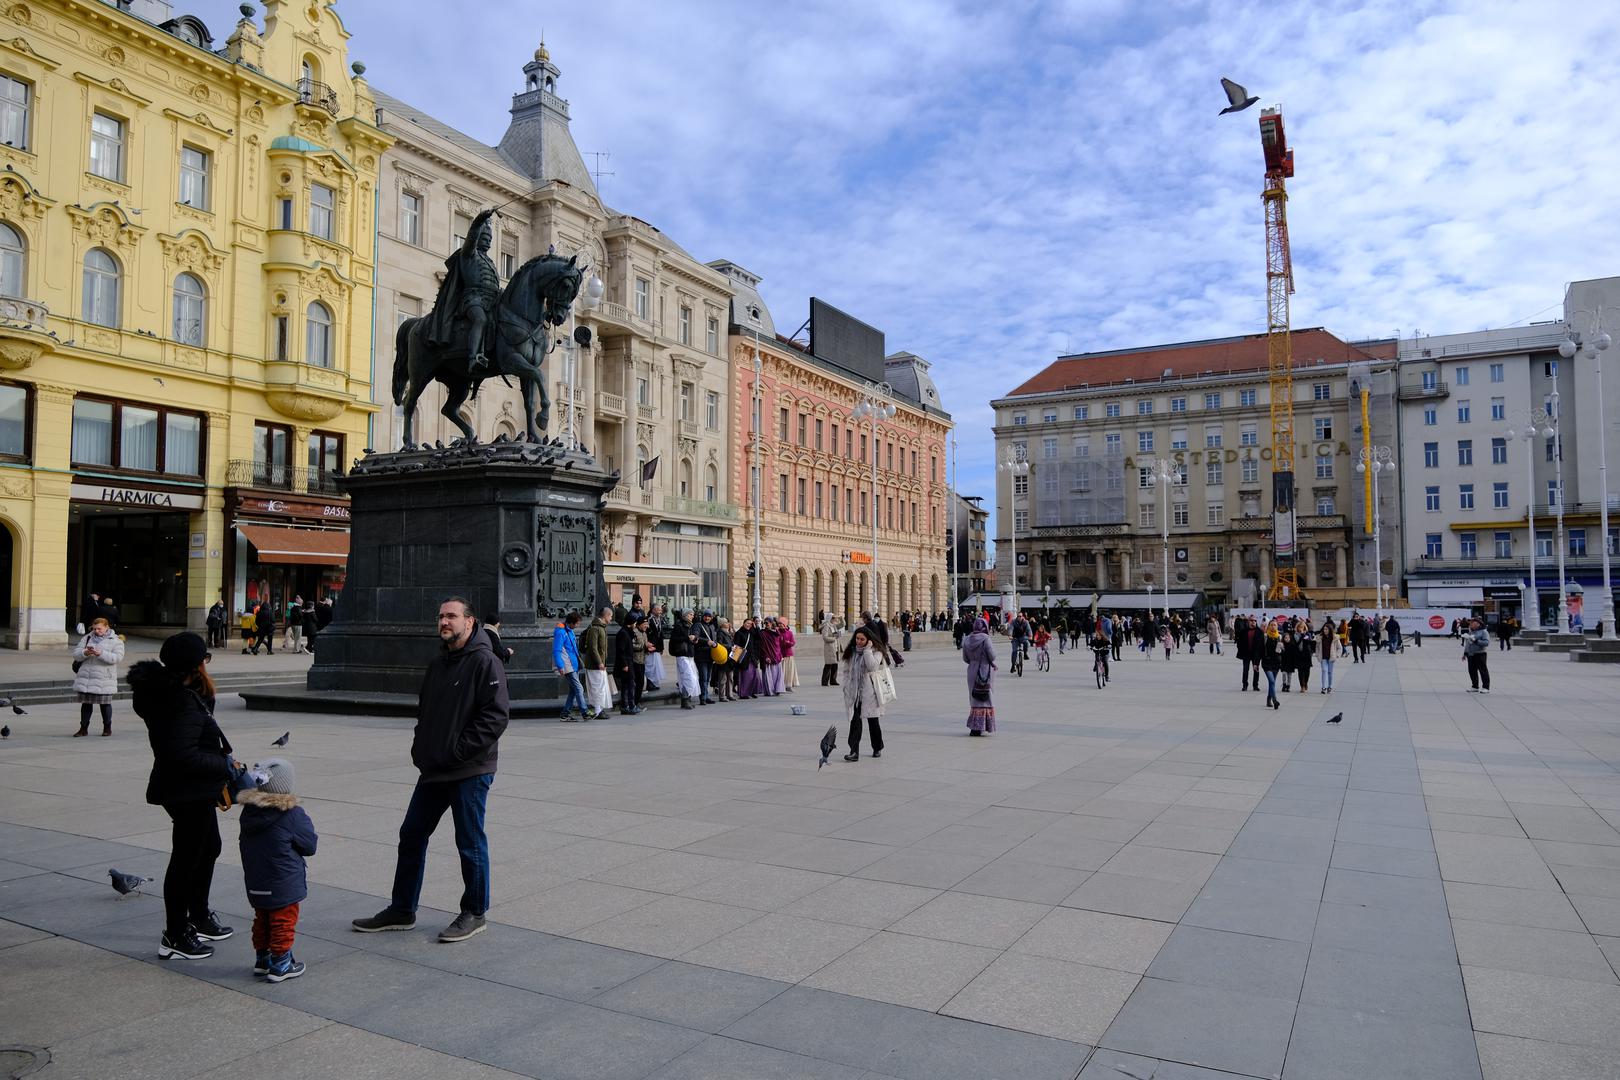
(261, 474)
(1419, 391)
(677, 504)
(318, 94)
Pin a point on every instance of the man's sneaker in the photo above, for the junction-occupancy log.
(209, 928)
(386, 919)
(465, 926)
(185, 947)
(1473, 689)
(261, 962)
(1485, 691)
(284, 967)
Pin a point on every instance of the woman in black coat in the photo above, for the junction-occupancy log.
(1290, 658)
(191, 765)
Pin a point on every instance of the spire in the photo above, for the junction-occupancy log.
(538, 142)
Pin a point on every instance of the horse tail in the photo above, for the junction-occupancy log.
(402, 357)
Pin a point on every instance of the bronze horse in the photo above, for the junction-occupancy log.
(538, 296)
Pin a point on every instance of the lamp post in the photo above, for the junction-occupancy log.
(1014, 465)
(956, 596)
(1163, 475)
(1379, 459)
(876, 404)
(1535, 423)
(1592, 346)
(756, 479)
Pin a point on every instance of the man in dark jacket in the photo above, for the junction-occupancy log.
(1247, 640)
(264, 626)
(705, 636)
(1359, 636)
(462, 711)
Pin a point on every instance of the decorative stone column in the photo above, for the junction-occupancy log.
(1124, 569)
(1265, 569)
(1235, 566)
(1310, 567)
(1340, 569)
(1101, 558)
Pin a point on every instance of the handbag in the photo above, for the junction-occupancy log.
(883, 684)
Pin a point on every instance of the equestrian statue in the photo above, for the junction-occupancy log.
(479, 331)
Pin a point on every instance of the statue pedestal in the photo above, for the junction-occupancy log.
(514, 527)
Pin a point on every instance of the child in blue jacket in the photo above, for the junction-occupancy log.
(276, 838)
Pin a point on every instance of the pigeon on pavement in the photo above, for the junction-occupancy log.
(5, 732)
(1238, 97)
(829, 742)
(16, 708)
(1335, 718)
(126, 883)
(283, 740)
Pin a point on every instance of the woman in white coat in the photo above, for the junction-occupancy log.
(862, 657)
(97, 656)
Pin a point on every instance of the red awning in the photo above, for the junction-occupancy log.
(300, 547)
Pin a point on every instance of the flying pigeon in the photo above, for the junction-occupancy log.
(283, 740)
(126, 883)
(1335, 718)
(1239, 97)
(16, 708)
(829, 742)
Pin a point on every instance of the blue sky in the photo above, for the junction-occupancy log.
(995, 184)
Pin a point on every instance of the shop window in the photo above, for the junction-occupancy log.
(13, 262)
(141, 438)
(14, 419)
(190, 310)
(102, 283)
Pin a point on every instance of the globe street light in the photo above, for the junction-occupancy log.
(1380, 459)
(1536, 423)
(757, 608)
(1592, 346)
(876, 404)
(1014, 464)
(1163, 473)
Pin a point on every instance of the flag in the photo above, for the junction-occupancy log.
(648, 471)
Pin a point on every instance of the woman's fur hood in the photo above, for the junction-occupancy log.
(267, 799)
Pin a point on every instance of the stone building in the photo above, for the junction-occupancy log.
(815, 496)
(185, 286)
(968, 538)
(649, 395)
(1093, 426)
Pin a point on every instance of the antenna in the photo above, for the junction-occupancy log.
(597, 173)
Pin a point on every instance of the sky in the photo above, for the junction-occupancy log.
(994, 185)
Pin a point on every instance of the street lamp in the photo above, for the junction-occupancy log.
(1380, 459)
(755, 480)
(590, 298)
(876, 404)
(956, 596)
(1536, 422)
(1164, 474)
(1593, 346)
(1014, 465)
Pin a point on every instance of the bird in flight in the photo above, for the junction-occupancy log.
(1237, 97)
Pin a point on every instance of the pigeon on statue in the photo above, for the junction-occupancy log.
(124, 883)
(283, 740)
(829, 743)
(1237, 97)
(1335, 718)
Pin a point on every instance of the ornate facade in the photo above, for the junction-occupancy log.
(185, 285)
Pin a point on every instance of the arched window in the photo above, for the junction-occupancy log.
(102, 280)
(190, 310)
(318, 335)
(686, 479)
(711, 483)
(12, 268)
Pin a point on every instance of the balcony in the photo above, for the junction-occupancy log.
(687, 429)
(318, 95)
(720, 511)
(1421, 391)
(1062, 532)
(1589, 511)
(24, 336)
(305, 392)
(242, 472)
(609, 406)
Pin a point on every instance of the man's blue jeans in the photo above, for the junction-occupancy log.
(465, 800)
(576, 693)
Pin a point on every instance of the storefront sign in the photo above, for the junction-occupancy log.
(149, 498)
(295, 508)
(862, 557)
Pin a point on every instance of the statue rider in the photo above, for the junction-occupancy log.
(470, 291)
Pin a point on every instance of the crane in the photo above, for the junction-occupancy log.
(1279, 354)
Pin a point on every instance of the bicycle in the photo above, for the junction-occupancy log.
(1099, 667)
(1018, 660)
(1043, 659)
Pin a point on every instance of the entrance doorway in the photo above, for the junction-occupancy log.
(137, 559)
(8, 616)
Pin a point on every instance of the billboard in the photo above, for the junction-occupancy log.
(844, 340)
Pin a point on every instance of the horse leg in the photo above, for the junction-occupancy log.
(529, 384)
(407, 438)
(455, 393)
(545, 399)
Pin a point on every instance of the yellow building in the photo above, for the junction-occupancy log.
(186, 272)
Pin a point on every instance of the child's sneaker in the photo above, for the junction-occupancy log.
(261, 961)
(284, 967)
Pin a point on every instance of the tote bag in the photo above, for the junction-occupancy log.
(883, 684)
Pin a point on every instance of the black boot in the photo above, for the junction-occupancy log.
(854, 755)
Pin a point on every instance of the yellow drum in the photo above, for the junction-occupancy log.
(719, 654)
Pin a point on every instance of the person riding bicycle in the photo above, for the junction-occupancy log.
(1019, 632)
(1043, 638)
(1100, 647)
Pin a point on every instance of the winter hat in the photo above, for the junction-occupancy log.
(278, 776)
(183, 652)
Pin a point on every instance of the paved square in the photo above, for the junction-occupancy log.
(1161, 879)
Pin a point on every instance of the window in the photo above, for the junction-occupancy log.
(1498, 451)
(849, 442)
(1431, 380)
(194, 177)
(1248, 435)
(1214, 473)
(1215, 514)
(190, 310)
(102, 283)
(819, 504)
(711, 483)
(1021, 484)
(1431, 498)
(1465, 411)
(1321, 391)
(1551, 454)
(1144, 442)
(644, 396)
(14, 102)
(1504, 545)
(13, 272)
(1431, 455)
(1082, 412)
(1251, 471)
(1017, 447)
(1323, 426)
(889, 464)
(1326, 506)
(1465, 496)
(13, 421)
(144, 438)
(1468, 545)
(1144, 408)
(1178, 404)
(802, 486)
(318, 335)
(325, 454)
(1465, 451)
(1111, 409)
(714, 336)
(1049, 449)
(1144, 478)
(410, 218)
(1020, 419)
(849, 505)
(782, 492)
(1324, 466)
(1082, 446)
(1178, 439)
(509, 257)
(1577, 543)
(107, 147)
(1544, 544)
(1431, 545)
(1147, 516)
(688, 402)
(1020, 520)
(1431, 416)
(321, 202)
(1462, 376)
(284, 214)
(1498, 408)
(1552, 494)
(1217, 556)
(1049, 416)
(643, 298)
(684, 325)
(1212, 400)
(1212, 438)
(782, 425)
(1247, 397)
(1112, 445)
(1549, 369)
(889, 512)
(711, 410)
(1178, 515)
(1614, 541)
(1499, 495)
(1178, 475)
(1497, 374)
(283, 345)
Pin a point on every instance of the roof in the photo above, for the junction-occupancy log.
(411, 114)
(1217, 356)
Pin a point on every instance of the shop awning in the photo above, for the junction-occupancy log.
(298, 547)
(1443, 595)
(622, 573)
(1139, 602)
